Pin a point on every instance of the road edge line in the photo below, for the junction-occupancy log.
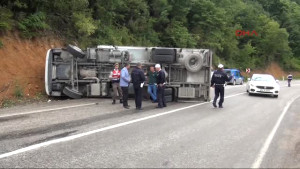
(268, 141)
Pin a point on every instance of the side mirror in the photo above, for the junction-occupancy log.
(249, 79)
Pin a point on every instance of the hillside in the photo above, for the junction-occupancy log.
(22, 65)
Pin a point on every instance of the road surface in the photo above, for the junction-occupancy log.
(250, 131)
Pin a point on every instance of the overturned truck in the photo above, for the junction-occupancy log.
(75, 73)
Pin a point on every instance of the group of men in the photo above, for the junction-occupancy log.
(121, 79)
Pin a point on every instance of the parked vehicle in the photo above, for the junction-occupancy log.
(237, 78)
(76, 73)
(263, 84)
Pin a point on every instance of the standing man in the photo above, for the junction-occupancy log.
(161, 79)
(218, 82)
(138, 79)
(124, 83)
(152, 89)
(115, 80)
(290, 78)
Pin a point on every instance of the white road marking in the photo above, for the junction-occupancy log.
(269, 139)
(46, 110)
(68, 138)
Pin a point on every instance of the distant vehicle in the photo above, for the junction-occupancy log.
(263, 84)
(237, 78)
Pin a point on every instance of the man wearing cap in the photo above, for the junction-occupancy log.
(290, 78)
(138, 79)
(218, 82)
(115, 80)
(161, 79)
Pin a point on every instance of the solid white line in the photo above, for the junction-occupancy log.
(68, 138)
(45, 110)
(269, 139)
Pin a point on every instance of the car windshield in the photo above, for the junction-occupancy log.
(263, 78)
(228, 72)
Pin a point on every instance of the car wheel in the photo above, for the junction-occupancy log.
(250, 94)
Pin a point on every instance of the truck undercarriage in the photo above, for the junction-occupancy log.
(75, 73)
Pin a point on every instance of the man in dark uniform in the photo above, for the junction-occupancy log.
(138, 79)
(290, 78)
(161, 79)
(218, 82)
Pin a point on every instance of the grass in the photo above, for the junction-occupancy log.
(7, 103)
(18, 92)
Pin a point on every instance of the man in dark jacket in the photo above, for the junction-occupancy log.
(290, 78)
(138, 79)
(218, 82)
(161, 79)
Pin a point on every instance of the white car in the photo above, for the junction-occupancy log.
(264, 84)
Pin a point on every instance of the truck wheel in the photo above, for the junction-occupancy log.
(169, 98)
(193, 62)
(163, 51)
(168, 92)
(72, 93)
(163, 58)
(75, 51)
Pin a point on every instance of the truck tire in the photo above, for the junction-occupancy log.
(168, 92)
(193, 62)
(169, 98)
(72, 93)
(163, 55)
(163, 58)
(75, 51)
(163, 51)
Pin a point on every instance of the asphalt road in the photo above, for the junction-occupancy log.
(250, 131)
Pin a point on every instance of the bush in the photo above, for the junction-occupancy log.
(1, 44)
(7, 103)
(6, 22)
(18, 93)
(33, 24)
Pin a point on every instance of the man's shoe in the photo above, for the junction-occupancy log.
(114, 102)
(126, 107)
(121, 101)
(220, 106)
(214, 104)
(158, 107)
(165, 106)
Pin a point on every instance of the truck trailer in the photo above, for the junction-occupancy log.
(75, 73)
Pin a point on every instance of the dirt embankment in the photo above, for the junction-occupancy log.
(22, 65)
(273, 69)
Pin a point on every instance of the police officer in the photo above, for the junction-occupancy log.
(138, 79)
(218, 82)
(161, 79)
(290, 78)
(115, 80)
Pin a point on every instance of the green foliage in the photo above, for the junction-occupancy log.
(7, 103)
(18, 92)
(1, 44)
(6, 21)
(172, 23)
(33, 24)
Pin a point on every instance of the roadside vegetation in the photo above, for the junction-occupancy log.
(171, 23)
